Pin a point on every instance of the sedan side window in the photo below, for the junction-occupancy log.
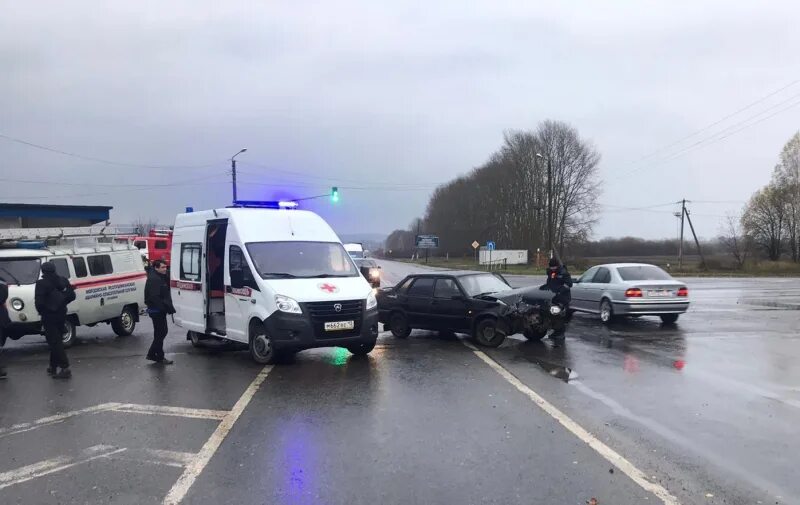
(422, 287)
(588, 275)
(603, 276)
(446, 288)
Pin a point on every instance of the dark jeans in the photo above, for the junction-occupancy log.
(54, 333)
(159, 333)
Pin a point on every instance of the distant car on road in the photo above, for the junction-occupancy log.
(630, 289)
(355, 250)
(370, 270)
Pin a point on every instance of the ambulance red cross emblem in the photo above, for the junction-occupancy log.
(328, 288)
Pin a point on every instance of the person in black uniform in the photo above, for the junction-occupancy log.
(51, 296)
(558, 281)
(158, 299)
(4, 322)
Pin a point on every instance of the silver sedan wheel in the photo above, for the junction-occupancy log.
(606, 311)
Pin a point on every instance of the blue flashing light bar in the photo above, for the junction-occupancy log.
(258, 204)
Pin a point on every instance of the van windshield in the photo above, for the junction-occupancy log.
(288, 260)
(20, 270)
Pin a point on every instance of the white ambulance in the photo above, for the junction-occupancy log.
(108, 280)
(274, 278)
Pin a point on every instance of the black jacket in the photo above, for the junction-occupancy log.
(559, 283)
(4, 319)
(52, 295)
(157, 295)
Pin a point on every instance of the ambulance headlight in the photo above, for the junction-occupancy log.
(286, 304)
(17, 304)
(555, 310)
(372, 302)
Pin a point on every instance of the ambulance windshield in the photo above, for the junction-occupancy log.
(19, 270)
(302, 260)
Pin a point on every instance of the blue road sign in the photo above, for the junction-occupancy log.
(490, 245)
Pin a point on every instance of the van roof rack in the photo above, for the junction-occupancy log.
(71, 238)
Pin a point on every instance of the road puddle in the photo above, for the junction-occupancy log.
(551, 359)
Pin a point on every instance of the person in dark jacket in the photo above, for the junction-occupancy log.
(4, 322)
(158, 299)
(558, 281)
(51, 296)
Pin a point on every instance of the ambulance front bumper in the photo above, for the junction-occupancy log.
(303, 331)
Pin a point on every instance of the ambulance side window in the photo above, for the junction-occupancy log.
(100, 264)
(190, 262)
(80, 266)
(241, 275)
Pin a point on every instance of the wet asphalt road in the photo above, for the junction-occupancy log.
(709, 409)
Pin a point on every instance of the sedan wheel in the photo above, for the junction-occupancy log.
(488, 334)
(606, 312)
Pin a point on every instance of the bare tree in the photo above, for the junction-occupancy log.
(144, 226)
(787, 178)
(764, 219)
(735, 240)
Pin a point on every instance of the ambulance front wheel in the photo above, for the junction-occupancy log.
(362, 349)
(261, 349)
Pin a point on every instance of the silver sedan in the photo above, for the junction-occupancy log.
(630, 289)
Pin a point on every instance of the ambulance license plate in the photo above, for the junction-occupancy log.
(340, 325)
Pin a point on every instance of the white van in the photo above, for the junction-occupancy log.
(355, 250)
(278, 280)
(108, 280)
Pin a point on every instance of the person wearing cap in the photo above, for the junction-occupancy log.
(558, 279)
(51, 296)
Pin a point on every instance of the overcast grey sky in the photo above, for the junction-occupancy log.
(398, 96)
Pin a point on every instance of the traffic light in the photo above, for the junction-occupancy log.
(334, 194)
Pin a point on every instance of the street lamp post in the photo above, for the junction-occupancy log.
(549, 202)
(233, 173)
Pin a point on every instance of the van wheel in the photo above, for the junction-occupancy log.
(488, 334)
(399, 325)
(362, 349)
(194, 338)
(68, 338)
(261, 348)
(125, 323)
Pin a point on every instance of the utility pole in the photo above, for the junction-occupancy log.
(550, 205)
(696, 242)
(680, 243)
(233, 174)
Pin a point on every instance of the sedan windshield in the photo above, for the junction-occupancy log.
(643, 273)
(483, 283)
(19, 270)
(287, 260)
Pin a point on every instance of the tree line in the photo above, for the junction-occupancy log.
(540, 188)
(770, 222)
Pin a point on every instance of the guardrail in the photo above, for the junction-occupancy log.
(501, 264)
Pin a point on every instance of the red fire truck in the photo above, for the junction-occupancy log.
(154, 246)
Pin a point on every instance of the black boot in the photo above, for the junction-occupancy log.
(3, 373)
(64, 373)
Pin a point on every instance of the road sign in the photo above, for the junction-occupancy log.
(427, 241)
(475, 245)
(490, 245)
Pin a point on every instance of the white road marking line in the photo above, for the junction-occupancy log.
(605, 451)
(201, 459)
(158, 457)
(163, 410)
(58, 418)
(130, 408)
(54, 465)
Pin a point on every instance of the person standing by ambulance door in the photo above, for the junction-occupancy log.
(158, 299)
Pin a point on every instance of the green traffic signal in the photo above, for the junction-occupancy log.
(334, 194)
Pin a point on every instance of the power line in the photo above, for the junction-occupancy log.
(97, 160)
(334, 179)
(715, 123)
(716, 138)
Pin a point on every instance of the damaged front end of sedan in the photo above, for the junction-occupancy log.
(533, 312)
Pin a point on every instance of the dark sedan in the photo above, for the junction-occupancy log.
(477, 303)
(370, 270)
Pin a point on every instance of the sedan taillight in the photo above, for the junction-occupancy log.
(683, 292)
(633, 293)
